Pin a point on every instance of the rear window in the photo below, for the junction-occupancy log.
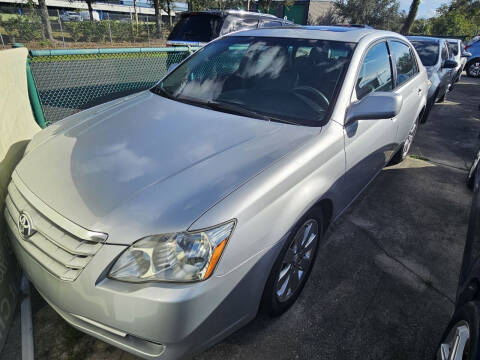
(428, 52)
(197, 27)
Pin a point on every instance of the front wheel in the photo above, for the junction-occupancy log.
(402, 153)
(460, 339)
(293, 265)
(473, 68)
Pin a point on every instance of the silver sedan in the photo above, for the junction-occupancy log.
(162, 222)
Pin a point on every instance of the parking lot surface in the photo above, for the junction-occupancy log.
(385, 277)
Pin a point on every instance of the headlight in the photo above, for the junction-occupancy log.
(177, 257)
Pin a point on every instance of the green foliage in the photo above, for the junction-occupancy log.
(23, 28)
(460, 18)
(99, 31)
(381, 14)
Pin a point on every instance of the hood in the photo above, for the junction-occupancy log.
(149, 165)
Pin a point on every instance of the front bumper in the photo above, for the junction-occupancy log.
(151, 320)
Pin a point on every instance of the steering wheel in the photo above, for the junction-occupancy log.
(317, 94)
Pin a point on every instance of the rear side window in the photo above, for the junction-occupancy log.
(444, 52)
(197, 27)
(404, 62)
(244, 24)
(269, 23)
(453, 47)
(375, 73)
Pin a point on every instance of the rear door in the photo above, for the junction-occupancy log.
(407, 83)
(369, 143)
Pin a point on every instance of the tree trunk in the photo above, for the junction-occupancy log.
(90, 9)
(169, 14)
(47, 27)
(158, 18)
(412, 14)
(135, 14)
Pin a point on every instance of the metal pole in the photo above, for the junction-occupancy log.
(61, 27)
(109, 28)
(1, 38)
(148, 31)
(34, 98)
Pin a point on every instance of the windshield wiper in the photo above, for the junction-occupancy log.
(239, 109)
(162, 92)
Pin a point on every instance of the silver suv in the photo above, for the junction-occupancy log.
(161, 222)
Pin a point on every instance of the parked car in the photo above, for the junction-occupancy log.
(163, 221)
(70, 16)
(86, 15)
(435, 57)
(473, 61)
(461, 337)
(200, 27)
(459, 55)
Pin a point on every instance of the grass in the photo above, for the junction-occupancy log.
(419, 157)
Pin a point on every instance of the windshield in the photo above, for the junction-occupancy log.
(428, 52)
(197, 27)
(283, 79)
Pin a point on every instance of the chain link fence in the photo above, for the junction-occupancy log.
(73, 29)
(69, 81)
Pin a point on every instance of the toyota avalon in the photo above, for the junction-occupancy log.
(164, 221)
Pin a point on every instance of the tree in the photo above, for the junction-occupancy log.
(90, 8)
(45, 19)
(460, 18)
(412, 14)
(383, 14)
(158, 18)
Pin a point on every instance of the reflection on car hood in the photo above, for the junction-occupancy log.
(148, 164)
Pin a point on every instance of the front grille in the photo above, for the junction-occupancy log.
(61, 253)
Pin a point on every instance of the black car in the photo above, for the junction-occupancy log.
(461, 338)
(200, 27)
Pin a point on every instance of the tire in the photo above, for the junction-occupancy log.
(402, 153)
(278, 297)
(473, 68)
(442, 99)
(464, 327)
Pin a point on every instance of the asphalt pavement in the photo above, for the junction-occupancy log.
(385, 277)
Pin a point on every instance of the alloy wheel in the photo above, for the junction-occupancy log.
(297, 260)
(474, 69)
(455, 345)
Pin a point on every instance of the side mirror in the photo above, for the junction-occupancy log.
(449, 64)
(377, 105)
(172, 67)
(466, 54)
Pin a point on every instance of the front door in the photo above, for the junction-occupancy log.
(369, 143)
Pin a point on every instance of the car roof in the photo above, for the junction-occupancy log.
(233, 12)
(334, 33)
(424, 39)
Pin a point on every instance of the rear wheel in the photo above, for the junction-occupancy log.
(402, 153)
(460, 339)
(293, 265)
(473, 68)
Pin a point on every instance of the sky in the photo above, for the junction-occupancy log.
(426, 9)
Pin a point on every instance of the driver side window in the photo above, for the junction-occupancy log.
(376, 72)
